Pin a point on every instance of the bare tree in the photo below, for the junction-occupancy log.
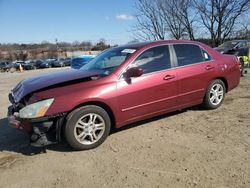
(243, 28)
(133, 41)
(150, 23)
(220, 16)
(42, 50)
(159, 18)
(21, 55)
(101, 45)
(187, 15)
(168, 10)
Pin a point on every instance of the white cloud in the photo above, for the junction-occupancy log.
(124, 17)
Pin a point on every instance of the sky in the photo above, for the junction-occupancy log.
(34, 21)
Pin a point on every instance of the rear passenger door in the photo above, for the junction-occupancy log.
(195, 70)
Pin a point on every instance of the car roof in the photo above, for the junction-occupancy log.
(154, 43)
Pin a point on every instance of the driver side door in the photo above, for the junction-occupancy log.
(152, 93)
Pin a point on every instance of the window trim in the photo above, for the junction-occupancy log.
(170, 56)
(204, 51)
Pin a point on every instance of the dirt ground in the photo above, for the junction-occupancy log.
(188, 148)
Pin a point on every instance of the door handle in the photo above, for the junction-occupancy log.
(209, 67)
(168, 77)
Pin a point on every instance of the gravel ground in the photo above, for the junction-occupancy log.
(188, 148)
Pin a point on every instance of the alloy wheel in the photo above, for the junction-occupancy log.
(89, 128)
(216, 94)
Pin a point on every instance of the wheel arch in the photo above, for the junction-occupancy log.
(224, 81)
(103, 105)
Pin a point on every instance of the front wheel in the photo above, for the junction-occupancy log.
(87, 127)
(215, 95)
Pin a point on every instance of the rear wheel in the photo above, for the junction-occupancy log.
(215, 94)
(243, 69)
(87, 127)
(243, 72)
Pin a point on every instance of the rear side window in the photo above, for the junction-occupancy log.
(188, 54)
(153, 59)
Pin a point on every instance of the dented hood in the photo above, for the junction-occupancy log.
(50, 80)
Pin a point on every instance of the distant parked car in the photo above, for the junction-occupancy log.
(78, 62)
(57, 63)
(234, 47)
(43, 64)
(66, 61)
(238, 48)
(38, 63)
(62, 62)
(5, 66)
(28, 65)
(16, 64)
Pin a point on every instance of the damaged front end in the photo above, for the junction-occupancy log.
(43, 130)
(35, 109)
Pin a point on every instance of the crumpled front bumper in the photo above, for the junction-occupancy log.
(15, 122)
(42, 131)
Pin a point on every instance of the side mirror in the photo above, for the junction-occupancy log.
(133, 72)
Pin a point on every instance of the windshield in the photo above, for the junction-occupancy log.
(229, 44)
(109, 60)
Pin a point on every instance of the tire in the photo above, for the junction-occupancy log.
(243, 72)
(215, 95)
(13, 70)
(87, 127)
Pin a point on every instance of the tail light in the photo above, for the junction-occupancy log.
(237, 60)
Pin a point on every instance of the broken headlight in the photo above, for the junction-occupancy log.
(36, 110)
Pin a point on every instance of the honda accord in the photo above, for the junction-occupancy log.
(122, 85)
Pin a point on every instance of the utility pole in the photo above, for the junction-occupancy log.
(57, 47)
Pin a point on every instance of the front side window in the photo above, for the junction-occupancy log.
(188, 54)
(153, 59)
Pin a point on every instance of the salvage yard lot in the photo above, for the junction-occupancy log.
(188, 148)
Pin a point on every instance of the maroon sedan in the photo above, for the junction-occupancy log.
(120, 86)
